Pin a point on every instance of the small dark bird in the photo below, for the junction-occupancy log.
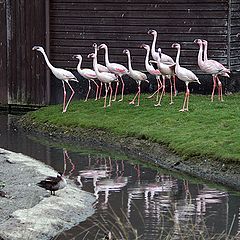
(53, 183)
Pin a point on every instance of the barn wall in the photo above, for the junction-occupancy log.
(75, 25)
(3, 54)
(25, 72)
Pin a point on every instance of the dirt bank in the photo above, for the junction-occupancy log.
(209, 169)
(28, 211)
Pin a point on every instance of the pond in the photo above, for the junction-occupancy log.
(133, 201)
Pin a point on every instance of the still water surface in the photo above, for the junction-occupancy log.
(132, 200)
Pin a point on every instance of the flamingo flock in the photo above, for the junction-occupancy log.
(161, 66)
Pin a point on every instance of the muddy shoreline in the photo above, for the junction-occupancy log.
(149, 152)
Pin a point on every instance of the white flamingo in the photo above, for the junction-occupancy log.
(215, 68)
(185, 75)
(62, 74)
(115, 68)
(101, 68)
(88, 74)
(138, 76)
(105, 77)
(153, 71)
(164, 57)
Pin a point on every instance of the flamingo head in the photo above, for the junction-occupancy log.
(176, 45)
(78, 56)
(94, 45)
(152, 32)
(198, 41)
(145, 46)
(126, 51)
(204, 42)
(38, 48)
(103, 45)
(238, 35)
(91, 55)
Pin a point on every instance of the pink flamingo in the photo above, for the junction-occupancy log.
(211, 67)
(115, 68)
(215, 68)
(101, 68)
(166, 71)
(87, 73)
(136, 75)
(153, 71)
(62, 74)
(105, 77)
(164, 58)
(185, 75)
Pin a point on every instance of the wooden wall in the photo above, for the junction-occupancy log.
(75, 25)
(26, 77)
(3, 55)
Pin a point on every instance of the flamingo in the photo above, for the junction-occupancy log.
(215, 68)
(105, 77)
(62, 74)
(136, 75)
(87, 73)
(166, 71)
(115, 68)
(100, 67)
(164, 57)
(152, 71)
(185, 75)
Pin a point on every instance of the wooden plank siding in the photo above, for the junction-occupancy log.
(75, 25)
(3, 55)
(25, 73)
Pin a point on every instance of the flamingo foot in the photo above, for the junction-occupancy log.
(132, 102)
(113, 100)
(120, 100)
(171, 103)
(157, 105)
(182, 110)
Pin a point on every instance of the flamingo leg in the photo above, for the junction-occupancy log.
(164, 84)
(69, 100)
(160, 98)
(171, 91)
(188, 96)
(139, 93)
(174, 85)
(159, 83)
(116, 90)
(185, 99)
(105, 97)
(110, 97)
(100, 90)
(123, 85)
(64, 96)
(133, 101)
(97, 88)
(89, 88)
(214, 86)
(220, 97)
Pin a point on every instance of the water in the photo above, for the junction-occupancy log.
(132, 200)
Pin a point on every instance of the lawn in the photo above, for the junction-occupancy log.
(209, 129)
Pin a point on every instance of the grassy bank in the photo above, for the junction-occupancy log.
(209, 129)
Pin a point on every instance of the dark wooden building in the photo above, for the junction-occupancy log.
(67, 27)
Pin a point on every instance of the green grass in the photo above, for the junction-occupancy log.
(209, 129)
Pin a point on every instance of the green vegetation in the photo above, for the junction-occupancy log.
(209, 129)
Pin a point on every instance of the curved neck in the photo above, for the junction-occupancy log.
(200, 52)
(178, 57)
(153, 52)
(47, 61)
(106, 56)
(129, 62)
(95, 65)
(205, 58)
(147, 57)
(79, 65)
